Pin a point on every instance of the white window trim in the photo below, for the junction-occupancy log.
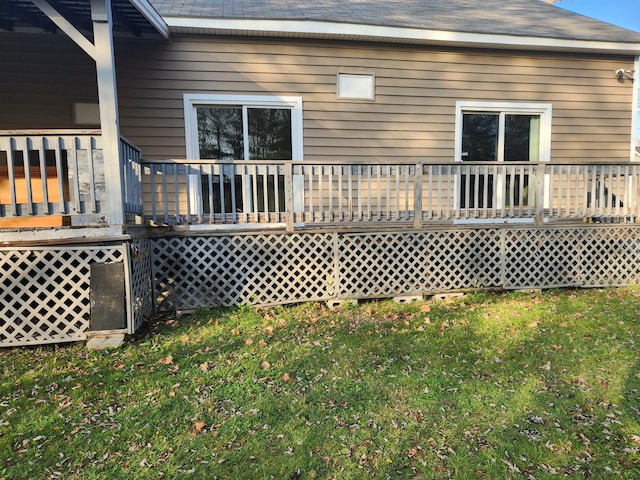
(545, 111)
(542, 109)
(193, 100)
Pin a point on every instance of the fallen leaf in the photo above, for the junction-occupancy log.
(199, 426)
(172, 393)
(204, 366)
(546, 366)
(286, 377)
(265, 365)
(117, 366)
(269, 330)
(426, 308)
(235, 331)
(248, 341)
(184, 338)
(534, 324)
(262, 343)
(168, 360)
(635, 438)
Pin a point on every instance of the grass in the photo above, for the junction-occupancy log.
(514, 385)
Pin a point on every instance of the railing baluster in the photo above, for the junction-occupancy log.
(59, 174)
(26, 162)
(369, 187)
(232, 187)
(42, 143)
(340, 186)
(11, 164)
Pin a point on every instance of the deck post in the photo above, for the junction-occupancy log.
(288, 195)
(540, 176)
(417, 196)
(101, 16)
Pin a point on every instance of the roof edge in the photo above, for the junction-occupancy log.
(153, 17)
(354, 31)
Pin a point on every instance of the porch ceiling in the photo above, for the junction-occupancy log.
(23, 15)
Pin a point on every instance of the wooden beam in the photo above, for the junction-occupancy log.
(66, 26)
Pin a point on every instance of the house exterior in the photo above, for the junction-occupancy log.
(275, 152)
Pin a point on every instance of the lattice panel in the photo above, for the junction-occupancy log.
(141, 295)
(461, 259)
(384, 264)
(609, 257)
(190, 272)
(542, 258)
(45, 296)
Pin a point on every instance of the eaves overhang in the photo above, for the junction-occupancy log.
(130, 17)
(306, 29)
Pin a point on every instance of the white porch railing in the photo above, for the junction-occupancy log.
(291, 192)
(48, 173)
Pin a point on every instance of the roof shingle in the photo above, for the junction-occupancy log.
(531, 18)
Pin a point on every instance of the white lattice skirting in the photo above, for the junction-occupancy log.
(278, 268)
(46, 297)
(45, 294)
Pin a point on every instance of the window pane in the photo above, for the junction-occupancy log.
(480, 137)
(521, 138)
(269, 133)
(220, 133)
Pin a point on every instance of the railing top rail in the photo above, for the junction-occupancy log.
(129, 143)
(377, 162)
(50, 132)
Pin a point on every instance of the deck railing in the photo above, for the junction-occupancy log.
(295, 192)
(131, 158)
(46, 174)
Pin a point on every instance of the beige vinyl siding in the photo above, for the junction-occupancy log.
(416, 88)
(42, 75)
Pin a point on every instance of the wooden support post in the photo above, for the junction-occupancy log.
(288, 195)
(540, 173)
(417, 196)
(108, 97)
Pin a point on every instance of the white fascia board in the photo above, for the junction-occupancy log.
(154, 18)
(311, 29)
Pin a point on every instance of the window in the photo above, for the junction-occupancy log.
(225, 127)
(500, 132)
(488, 132)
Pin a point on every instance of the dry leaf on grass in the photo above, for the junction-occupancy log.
(168, 360)
(199, 426)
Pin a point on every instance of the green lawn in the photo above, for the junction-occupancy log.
(495, 386)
